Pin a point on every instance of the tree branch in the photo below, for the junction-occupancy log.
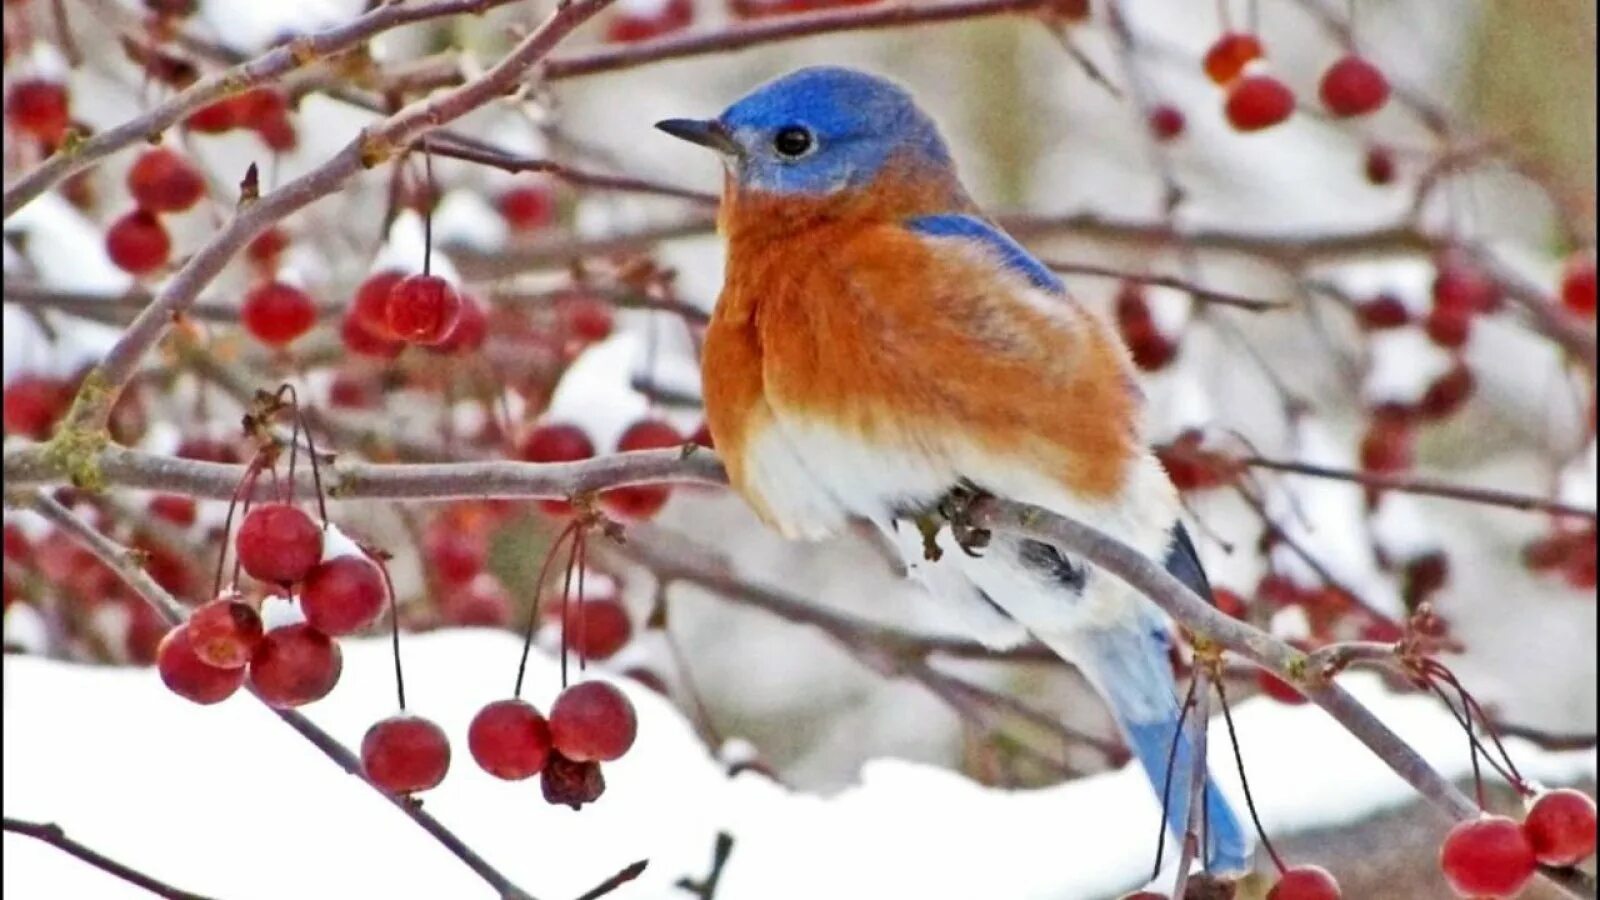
(1210, 627)
(264, 69)
(1429, 487)
(53, 835)
(119, 560)
(372, 147)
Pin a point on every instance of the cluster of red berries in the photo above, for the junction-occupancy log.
(391, 309)
(225, 641)
(590, 723)
(1496, 857)
(1256, 100)
(263, 110)
(160, 181)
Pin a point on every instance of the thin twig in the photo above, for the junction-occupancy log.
(53, 835)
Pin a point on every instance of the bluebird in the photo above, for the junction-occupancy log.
(880, 347)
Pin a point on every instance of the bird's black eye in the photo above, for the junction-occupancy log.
(792, 141)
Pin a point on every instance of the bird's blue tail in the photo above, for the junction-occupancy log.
(1131, 668)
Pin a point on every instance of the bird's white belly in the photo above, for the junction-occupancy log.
(813, 478)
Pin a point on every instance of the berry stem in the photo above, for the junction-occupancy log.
(1238, 761)
(394, 628)
(249, 478)
(1166, 783)
(427, 214)
(1470, 703)
(533, 610)
(1463, 718)
(566, 591)
(582, 546)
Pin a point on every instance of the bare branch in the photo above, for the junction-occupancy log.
(1211, 627)
(53, 835)
(119, 560)
(1430, 487)
(262, 70)
(372, 147)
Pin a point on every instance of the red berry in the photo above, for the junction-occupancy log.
(1578, 285)
(480, 603)
(174, 508)
(33, 405)
(1462, 285)
(1228, 56)
(1353, 87)
(570, 782)
(1379, 166)
(1387, 445)
(39, 107)
(455, 554)
(359, 339)
(138, 243)
(207, 450)
(295, 665)
(277, 313)
(278, 543)
(1305, 883)
(669, 16)
(641, 501)
(405, 754)
(370, 306)
(422, 309)
(509, 739)
(1382, 311)
(551, 443)
(469, 332)
(588, 318)
(1278, 689)
(592, 721)
(1561, 827)
(527, 206)
(343, 595)
(161, 180)
(1487, 857)
(1448, 393)
(1449, 326)
(1152, 352)
(265, 248)
(187, 675)
(1229, 603)
(1258, 102)
(598, 628)
(1166, 123)
(224, 633)
(214, 118)
(702, 437)
(145, 631)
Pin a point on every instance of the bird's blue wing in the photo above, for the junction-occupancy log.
(1011, 254)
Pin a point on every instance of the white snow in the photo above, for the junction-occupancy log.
(206, 796)
(1403, 363)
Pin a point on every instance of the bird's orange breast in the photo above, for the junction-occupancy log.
(909, 346)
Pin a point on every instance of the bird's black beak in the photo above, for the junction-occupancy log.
(705, 132)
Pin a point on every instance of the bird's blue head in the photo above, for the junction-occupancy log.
(819, 131)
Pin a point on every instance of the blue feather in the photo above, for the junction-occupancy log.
(1132, 670)
(1012, 254)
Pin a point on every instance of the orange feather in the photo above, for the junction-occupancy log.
(833, 310)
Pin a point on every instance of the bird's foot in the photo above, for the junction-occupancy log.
(956, 507)
(928, 526)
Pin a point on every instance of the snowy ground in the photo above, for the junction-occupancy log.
(229, 802)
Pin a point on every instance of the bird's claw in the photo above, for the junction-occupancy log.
(928, 526)
(956, 507)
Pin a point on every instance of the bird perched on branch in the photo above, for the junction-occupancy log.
(881, 349)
